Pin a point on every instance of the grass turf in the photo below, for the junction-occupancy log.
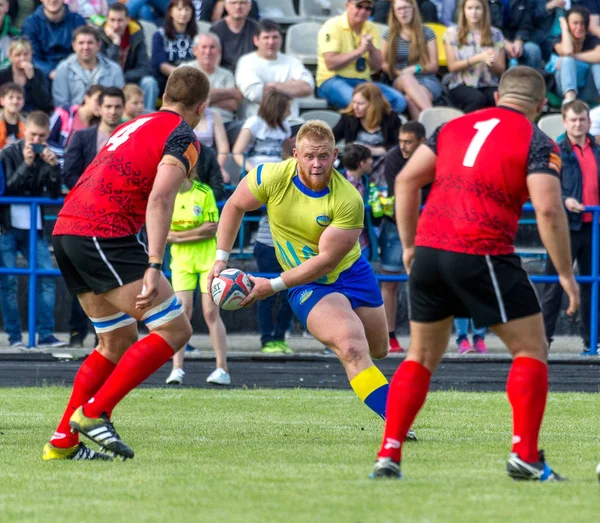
(293, 455)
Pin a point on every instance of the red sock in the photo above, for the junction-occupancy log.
(140, 361)
(406, 396)
(91, 375)
(527, 389)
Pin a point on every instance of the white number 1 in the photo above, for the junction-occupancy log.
(123, 135)
(483, 131)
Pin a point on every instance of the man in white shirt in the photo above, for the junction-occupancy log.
(268, 69)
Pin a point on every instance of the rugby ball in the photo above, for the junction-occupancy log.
(230, 288)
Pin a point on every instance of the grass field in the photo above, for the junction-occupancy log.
(294, 455)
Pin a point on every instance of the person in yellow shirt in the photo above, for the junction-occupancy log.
(193, 248)
(348, 54)
(316, 217)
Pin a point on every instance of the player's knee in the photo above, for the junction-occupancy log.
(211, 316)
(380, 350)
(351, 350)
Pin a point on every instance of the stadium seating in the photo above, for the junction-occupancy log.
(280, 11)
(301, 42)
(329, 117)
(440, 31)
(149, 29)
(321, 9)
(435, 116)
(203, 27)
(552, 125)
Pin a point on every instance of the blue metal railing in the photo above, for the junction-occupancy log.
(33, 272)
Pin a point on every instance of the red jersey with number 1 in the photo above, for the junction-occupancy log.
(110, 198)
(476, 200)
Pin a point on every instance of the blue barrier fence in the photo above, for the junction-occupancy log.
(33, 272)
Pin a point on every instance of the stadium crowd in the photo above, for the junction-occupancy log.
(73, 71)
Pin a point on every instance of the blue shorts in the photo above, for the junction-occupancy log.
(358, 283)
(391, 248)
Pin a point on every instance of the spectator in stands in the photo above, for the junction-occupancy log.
(69, 119)
(428, 11)
(12, 128)
(515, 19)
(225, 97)
(82, 149)
(172, 44)
(476, 58)
(123, 42)
(236, 32)
(83, 68)
(410, 57)
(30, 169)
(461, 326)
(546, 25)
(86, 143)
(134, 102)
(368, 120)
(262, 136)
(91, 10)
(348, 53)
(7, 31)
(593, 6)
(580, 185)
(358, 161)
(411, 135)
(578, 61)
(31, 79)
(211, 133)
(50, 31)
(209, 171)
(268, 69)
(219, 10)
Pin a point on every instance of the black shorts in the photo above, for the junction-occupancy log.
(99, 264)
(489, 289)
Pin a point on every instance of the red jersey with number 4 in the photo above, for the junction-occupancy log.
(476, 200)
(110, 198)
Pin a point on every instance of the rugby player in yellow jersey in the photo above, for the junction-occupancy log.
(316, 217)
(193, 248)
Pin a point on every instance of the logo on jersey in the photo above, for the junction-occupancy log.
(197, 210)
(323, 220)
(554, 162)
(304, 296)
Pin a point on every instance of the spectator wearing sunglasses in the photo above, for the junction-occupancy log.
(348, 53)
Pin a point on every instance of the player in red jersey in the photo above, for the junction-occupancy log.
(133, 180)
(483, 166)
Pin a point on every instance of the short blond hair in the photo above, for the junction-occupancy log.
(19, 44)
(317, 130)
(522, 84)
(131, 90)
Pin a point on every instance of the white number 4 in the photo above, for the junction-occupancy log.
(484, 129)
(123, 135)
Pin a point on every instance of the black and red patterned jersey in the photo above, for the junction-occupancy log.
(110, 198)
(476, 200)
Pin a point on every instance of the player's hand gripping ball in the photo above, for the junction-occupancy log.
(230, 288)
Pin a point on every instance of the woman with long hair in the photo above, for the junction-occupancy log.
(172, 44)
(211, 132)
(409, 50)
(476, 59)
(369, 121)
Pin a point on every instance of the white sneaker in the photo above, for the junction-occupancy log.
(219, 377)
(176, 377)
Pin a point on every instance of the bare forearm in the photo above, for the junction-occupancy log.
(308, 271)
(229, 104)
(374, 60)
(337, 61)
(589, 57)
(408, 202)
(294, 88)
(554, 232)
(158, 222)
(229, 226)
(204, 232)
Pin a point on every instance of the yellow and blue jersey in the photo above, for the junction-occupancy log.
(298, 215)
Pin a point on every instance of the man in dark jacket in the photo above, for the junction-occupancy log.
(515, 19)
(123, 42)
(580, 188)
(30, 169)
(50, 31)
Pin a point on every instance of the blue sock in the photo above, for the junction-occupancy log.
(371, 387)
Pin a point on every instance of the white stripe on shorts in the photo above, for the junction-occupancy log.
(108, 264)
(496, 288)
